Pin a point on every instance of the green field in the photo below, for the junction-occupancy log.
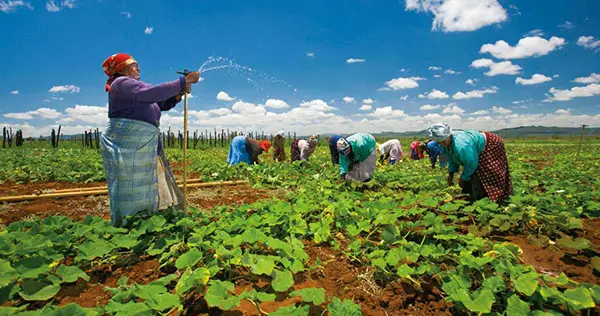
(402, 244)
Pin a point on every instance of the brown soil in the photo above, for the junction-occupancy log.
(591, 231)
(540, 164)
(77, 208)
(340, 278)
(552, 261)
(93, 293)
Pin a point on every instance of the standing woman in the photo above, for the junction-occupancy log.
(138, 174)
(279, 146)
(358, 157)
(246, 149)
(333, 152)
(392, 150)
(484, 161)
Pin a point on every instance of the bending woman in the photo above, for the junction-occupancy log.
(358, 157)
(138, 174)
(484, 161)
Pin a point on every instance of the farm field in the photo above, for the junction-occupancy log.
(295, 240)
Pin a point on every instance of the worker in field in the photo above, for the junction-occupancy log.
(484, 161)
(303, 149)
(279, 146)
(434, 150)
(137, 171)
(416, 151)
(390, 151)
(358, 157)
(333, 152)
(246, 149)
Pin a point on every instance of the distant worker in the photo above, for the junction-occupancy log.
(279, 146)
(358, 157)
(416, 151)
(246, 149)
(390, 150)
(484, 161)
(333, 152)
(434, 150)
(303, 149)
(138, 174)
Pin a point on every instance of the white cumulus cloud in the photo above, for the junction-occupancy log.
(64, 89)
(593, 78)
(148, 30)
(223, 96)
(348, 100)
(526, 47)
(576, 92)
(12, 5)
(310, 54)
(481, 112)
(460, 15)
(387, 112)
(588, 42)
(365, 107)
(500, 110)
(276, 104)
(471, 81)
(501, 68)
(474, 94)
(317, 105)
(403, 83)
(435, 68)
(452, 108)
(535, 79)
(451, 72)
(52, 6)
(404, 97)
(368, 101)
(14, 92)
(429, 107)
(355, 60)
(434, 94)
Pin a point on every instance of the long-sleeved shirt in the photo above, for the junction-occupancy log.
(335, 156)
(253, 148)
(362, 145)
(433, 149)
(391, 147)
(132, 99)
(305, 149)
(464, 150)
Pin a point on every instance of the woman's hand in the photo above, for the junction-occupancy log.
(191, 78)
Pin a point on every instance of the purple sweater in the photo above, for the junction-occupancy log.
(132, 99)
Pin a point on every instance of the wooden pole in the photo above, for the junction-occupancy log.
(19, 198)
(179, 182)
(580, 139)
(185, 140)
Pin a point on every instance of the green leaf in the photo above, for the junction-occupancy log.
(516, 307)
(156, 296)
(595, 263)
(71, 273)
(92, 249)
(7, 273)
(190, 279)
(38, 290)
(282, 280)
(311, 295)
(188, 259)
(291, 311)
(571, 243)
(579, 298)
(125, 241)
(496, 284)
(32, 267)
(345, 308)
(527, 283)
(218, 295)
(128, 309)
(73, 310)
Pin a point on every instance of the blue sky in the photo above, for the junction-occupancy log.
(300, 54)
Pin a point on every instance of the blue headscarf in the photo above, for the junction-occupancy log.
(440, 132)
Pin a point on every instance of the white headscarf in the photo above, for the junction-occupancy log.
(440, 132)
(280, 133)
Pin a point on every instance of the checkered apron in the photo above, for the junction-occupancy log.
(493, 170)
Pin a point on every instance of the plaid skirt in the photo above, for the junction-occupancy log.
(295, 151)
(493, 171)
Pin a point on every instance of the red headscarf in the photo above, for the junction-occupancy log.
(114, 64)
(265, 145)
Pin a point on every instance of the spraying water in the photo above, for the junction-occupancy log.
(224, 63)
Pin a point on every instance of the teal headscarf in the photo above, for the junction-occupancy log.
(440, 132)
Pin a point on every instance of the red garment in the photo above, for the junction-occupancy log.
(114, 64)
(265, 145)
(493, 169)
(415, 148)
